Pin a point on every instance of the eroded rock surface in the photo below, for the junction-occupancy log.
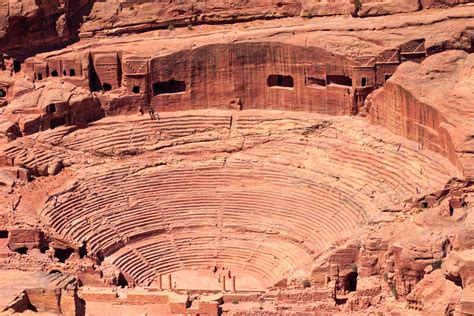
(241, 158)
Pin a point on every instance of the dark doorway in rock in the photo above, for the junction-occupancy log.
(63, 254)
(31, 307)
(72, 72)
(136, 89)
(350, 283)
(364, 82)
(172, 86)
(54, 73)
(339, 80)
(51, 108)
(107, 86)
(3, 234)
(56, 122)
(3, 93)
(83, 250)
(122, 281)
(40, 77)
(280, 81)
(16, 66)
(315, 82)
(387, 76)
(22, 250)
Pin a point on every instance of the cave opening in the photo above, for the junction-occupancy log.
(3, 93)
(16, 66)
(40, 76)
(22, 250)
(51, 108)
(31, 307)
(72, 72)
(136, 89)
(3, 234)
(364, 82)
(280, 81)
(56, 122)
(339, 80)
(63, 254)
(122, 281)
(54, 73)
(315, 82)
(107, 86)
(83, 250)
(171, 86)
(350, 284)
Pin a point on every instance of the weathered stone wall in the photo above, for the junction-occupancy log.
(402, 113)
(38, 25)
(237, 75)
(27, 238)
(30, 26)
(422, 102)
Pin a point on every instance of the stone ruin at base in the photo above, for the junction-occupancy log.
(258, 158)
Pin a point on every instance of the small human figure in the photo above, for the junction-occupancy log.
(229, 274)
(417, 190)
(421, 171)
(399, 145)
(214, 269)
(141, 111)
(151, 111)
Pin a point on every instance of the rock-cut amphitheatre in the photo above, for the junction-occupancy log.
(237, 157)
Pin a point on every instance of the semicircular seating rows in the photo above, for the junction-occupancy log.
(294, 197)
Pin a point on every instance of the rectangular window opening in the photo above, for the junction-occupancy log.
(338, 80)
(168, 87)
(280, 81)
(315, 82)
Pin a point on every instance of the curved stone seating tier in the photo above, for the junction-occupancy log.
(301, 187)
(136, 202)
(31, 154)
(109, 136)
(267, 258)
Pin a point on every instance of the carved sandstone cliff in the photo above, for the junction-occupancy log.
(139, 160)
(30, 26)
(423, 102)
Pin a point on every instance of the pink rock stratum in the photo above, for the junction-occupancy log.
(237, 157)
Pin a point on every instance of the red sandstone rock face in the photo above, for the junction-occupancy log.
(27, 25)
(440, 3)
(49, 106)
(440, 88)
(109, 18)
(228, 160)
(434, 294)
(388, 7)
(55, 23)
